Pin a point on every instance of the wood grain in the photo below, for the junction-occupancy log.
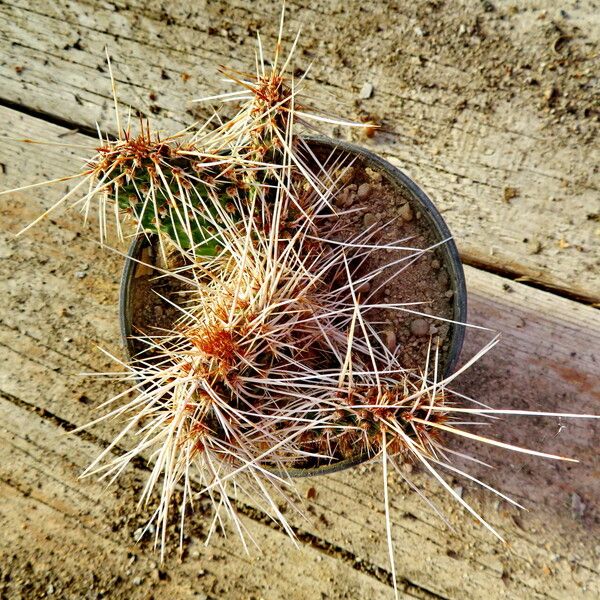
(87, 535)
(462, 128)
(59, 293)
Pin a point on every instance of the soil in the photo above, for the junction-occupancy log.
(150, 312)
(424, 279)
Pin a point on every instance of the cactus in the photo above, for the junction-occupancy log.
(165, 188)
(255, 372)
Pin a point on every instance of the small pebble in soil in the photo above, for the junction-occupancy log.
(363, 288)
(347, 196)
(369, 220)
(390, 339)
(406, 212)
(375, 176)
(435, 264)
(419, 327)
(364, 191)
(80, 274)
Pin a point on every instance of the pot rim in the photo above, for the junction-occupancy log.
(448, 250)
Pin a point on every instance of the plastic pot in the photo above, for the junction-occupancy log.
(418, 201)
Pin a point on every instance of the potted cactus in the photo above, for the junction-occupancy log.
(291, 305)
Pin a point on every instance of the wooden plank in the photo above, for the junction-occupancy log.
(52, 318)
(61, 538)
(474, 103)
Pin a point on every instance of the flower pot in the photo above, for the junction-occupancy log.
(419, 202)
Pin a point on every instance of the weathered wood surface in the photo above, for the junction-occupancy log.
(81, 539)
(80, 542)
(492, 109)
(461, 118)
